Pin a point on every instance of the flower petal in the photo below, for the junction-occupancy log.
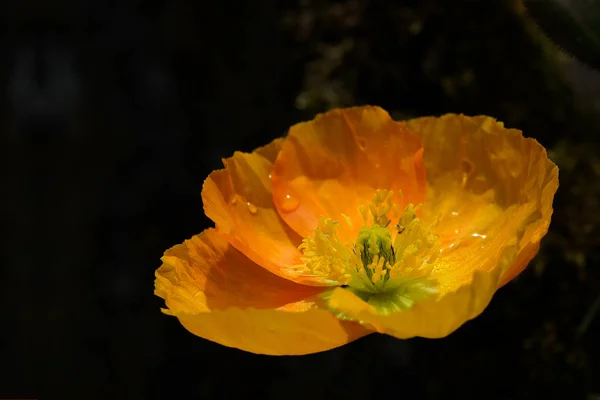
(219, 294)
(520, 262)
(273, 332)
(239, 200)
(489, 189)
(206, 273)
(433, 318)
(333, 164)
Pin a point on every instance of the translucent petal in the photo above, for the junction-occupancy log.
(219, 294)
(333, 164)
(239, 200)
(488, 189)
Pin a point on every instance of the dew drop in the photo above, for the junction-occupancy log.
(270, 176)
(289, 202)
(514, 168)
(234, 200)
(447, 248)
(252, 208)
(454, 213)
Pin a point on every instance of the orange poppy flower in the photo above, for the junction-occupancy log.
(355, 223)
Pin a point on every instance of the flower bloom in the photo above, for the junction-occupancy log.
(355, 223)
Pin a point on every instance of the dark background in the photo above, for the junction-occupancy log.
(114, 112)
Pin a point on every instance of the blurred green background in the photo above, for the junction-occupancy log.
(115, 112)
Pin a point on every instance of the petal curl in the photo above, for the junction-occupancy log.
(219, 294)
(239, 200)
(333, 164)
(433, 318)
(489, 189)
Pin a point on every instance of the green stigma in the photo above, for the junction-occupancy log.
(372, 242)
(388, 266)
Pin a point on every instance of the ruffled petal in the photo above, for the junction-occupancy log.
(433, 318)
(489, 189)
(333, 164)
(219, 294)
(206, 273)
(239, 200)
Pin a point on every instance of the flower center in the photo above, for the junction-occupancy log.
(387, 266)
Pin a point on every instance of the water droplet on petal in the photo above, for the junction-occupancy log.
(455, 213)
(270, 176)
(289, 202)
(233, 200)
(449, 247)
(514, 168)
(252, 208)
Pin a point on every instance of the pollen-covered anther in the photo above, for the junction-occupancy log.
(387, 265)
(324, 254)
(379, 208)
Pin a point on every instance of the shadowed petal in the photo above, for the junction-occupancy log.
(219, 294)
(239, 200)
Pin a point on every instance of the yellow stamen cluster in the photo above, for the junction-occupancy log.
(387, 266)
(324, 254)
